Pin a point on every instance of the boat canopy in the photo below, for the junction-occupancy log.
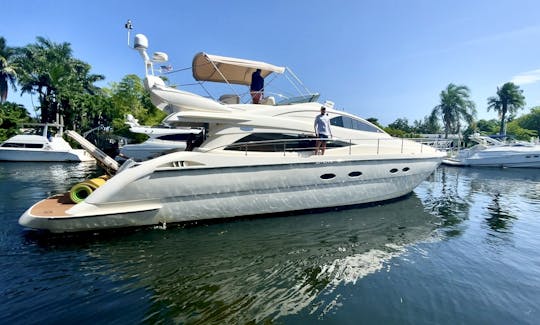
(207, 67)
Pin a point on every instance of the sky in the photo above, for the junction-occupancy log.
(377, 58)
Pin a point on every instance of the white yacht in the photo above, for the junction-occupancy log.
(257, 159)
(490, 152)
(38, 143)
(162, 139)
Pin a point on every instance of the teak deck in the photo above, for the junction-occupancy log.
(55, 206)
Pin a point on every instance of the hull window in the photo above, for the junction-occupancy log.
(355, 174)
(328, 176)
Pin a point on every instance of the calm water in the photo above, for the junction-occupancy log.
(462, 248)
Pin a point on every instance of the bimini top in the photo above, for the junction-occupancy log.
(207, 67)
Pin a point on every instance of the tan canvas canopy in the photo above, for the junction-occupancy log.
(207, 67)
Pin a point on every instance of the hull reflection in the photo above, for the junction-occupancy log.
(262, 269)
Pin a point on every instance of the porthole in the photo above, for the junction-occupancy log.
(393, 170)
(527, 156)
(355, 174)
(406, 169)
(328, 176)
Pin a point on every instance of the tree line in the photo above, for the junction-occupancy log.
(458, 115)
(65, 87)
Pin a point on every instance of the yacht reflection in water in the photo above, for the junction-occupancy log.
(262, 269)
(502, 194)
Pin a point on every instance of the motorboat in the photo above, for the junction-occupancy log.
(257, 159)
(490, 152)
(162, 139)
(41, 142)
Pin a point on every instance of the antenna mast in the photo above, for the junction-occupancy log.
(129, 27)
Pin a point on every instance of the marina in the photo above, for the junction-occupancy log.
(351, 163)
(461, 248)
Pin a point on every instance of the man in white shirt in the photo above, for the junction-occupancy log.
(322, 130)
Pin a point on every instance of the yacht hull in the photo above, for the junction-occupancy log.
(175, 195)
(27, 154)
(151, 149)
(516, 160)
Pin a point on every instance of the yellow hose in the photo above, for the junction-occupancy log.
(79, 192)
(95, 182)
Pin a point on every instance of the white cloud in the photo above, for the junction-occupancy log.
(528, 77)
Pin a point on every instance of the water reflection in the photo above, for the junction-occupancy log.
(454, 194)
(499, 217)
(45, 177)
(444, 195)
(260, 269)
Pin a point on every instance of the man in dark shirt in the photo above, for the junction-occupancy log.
(257, 86)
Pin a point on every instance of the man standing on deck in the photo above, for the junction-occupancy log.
(257, 86)
(322, 130)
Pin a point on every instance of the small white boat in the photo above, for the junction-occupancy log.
(37, 143)
(162, 139)
(490, 152)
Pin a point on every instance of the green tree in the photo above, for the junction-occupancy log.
(375, 121)
(429, 125)
(395, 132)
(509, 100)
(455, 106)
(520, 133)
(11, 116)
(530, 121)
(400, 124)
(49, 70)
(487, 126)
(130, 97)
(8, 70)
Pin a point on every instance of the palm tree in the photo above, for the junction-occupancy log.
(8, 73)
(508, 100)
(49, 70)
(454, 107)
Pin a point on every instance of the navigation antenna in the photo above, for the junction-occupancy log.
(129, 27)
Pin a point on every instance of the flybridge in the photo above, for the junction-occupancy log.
(231, 71)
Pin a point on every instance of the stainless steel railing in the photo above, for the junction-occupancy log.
(376, 146)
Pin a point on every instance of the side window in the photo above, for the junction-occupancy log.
(337, 121)
(354, 124)
(34, 145)
(277, 142)
(175, 137)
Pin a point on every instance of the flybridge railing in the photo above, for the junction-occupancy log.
(365, 146)
(284, 88)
